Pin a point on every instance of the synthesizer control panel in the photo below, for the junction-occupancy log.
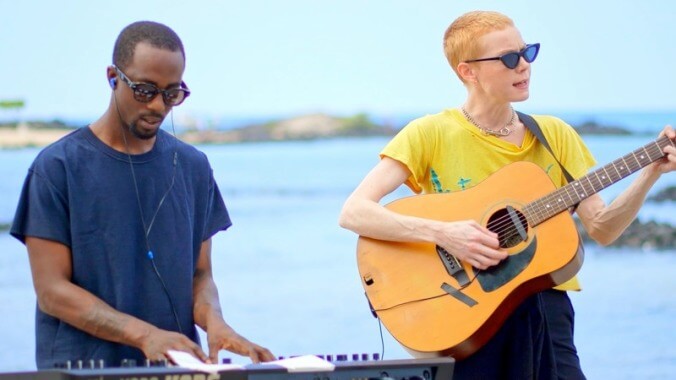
(404, 369)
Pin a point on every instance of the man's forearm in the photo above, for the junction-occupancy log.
(85, 311)
(207, 306)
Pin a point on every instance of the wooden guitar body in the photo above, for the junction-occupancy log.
(435, 306)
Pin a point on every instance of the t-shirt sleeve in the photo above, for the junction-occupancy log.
(407, 148)
(42, 211)
(217, 217)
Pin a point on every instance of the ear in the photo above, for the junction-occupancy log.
(466, 72)
(111, 76)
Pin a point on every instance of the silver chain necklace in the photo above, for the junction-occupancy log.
(504, 131)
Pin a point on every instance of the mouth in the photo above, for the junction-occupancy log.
(152, 122)
(523, 84)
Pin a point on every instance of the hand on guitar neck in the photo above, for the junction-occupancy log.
(668, 162)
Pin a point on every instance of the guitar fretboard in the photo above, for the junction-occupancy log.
(573, 193)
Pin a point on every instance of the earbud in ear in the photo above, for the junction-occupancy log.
(113, 82)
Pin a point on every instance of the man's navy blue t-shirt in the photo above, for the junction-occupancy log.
(81, 193)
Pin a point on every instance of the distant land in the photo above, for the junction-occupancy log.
(31, 134)
(304, 127)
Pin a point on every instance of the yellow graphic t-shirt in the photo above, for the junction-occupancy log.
(445, 153)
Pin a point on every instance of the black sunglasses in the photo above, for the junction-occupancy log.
(145, 92)
(511, 60)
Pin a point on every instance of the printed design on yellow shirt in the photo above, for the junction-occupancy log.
(548, 169)
(462, 182)
(437, 183)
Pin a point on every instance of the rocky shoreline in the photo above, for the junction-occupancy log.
(305, 127)
(31, 134)
(644, 236)
(666, 195)
(15, 135)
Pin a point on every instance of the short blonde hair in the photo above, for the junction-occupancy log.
(460, 39)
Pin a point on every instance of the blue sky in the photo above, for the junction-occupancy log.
(269, 58)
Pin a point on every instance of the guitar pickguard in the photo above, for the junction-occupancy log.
(496, 276)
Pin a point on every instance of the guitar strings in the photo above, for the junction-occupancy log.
(653, 150)
(504, 224)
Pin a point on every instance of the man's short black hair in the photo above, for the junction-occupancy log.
(156, 34)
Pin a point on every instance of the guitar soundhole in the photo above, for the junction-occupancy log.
(512, 229)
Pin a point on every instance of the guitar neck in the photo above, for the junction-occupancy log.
(573, 193)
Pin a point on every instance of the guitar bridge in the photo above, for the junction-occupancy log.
(453, 266)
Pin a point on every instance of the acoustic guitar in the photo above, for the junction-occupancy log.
(434, 304)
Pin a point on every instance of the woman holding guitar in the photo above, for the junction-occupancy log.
(456, 265)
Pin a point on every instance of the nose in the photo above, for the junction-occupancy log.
(523, 64)
(157, 105)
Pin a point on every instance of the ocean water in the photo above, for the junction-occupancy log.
(287, 273)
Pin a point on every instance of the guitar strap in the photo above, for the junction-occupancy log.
(534, 128)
